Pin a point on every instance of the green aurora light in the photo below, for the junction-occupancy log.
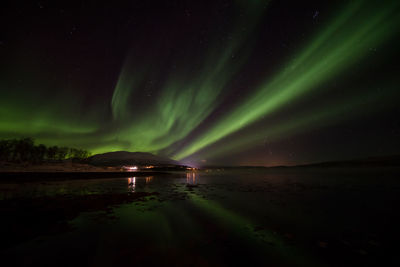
(186, 117)
(183, 103)
(341, 44)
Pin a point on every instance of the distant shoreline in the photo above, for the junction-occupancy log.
(61, 171)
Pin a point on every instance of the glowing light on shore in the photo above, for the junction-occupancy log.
(148, 167)
(130, 168)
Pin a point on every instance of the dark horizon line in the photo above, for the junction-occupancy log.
(387, 160)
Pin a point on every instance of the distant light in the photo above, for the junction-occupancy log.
(148, 167)
(130, 168)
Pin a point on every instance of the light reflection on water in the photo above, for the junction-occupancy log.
(247, 210)
(82, 186)
(231, 181)
(131, 184)
(192, 178)
(149, 179)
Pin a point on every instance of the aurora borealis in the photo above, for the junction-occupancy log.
(205, 82)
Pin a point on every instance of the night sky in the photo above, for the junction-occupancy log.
(205, 82)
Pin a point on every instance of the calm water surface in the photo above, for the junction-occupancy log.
(219, 218)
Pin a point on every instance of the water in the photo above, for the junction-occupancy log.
(218, 218)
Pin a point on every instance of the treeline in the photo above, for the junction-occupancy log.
(25, 150)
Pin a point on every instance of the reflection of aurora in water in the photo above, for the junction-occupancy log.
(230, 216)
(242, 227)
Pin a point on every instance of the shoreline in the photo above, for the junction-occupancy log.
(35, 176)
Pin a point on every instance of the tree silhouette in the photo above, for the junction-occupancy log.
(25, 150)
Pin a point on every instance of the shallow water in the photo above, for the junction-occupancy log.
(218, 218)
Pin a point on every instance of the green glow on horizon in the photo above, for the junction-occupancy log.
(304, 122)
(50, 124)
(336, 49)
